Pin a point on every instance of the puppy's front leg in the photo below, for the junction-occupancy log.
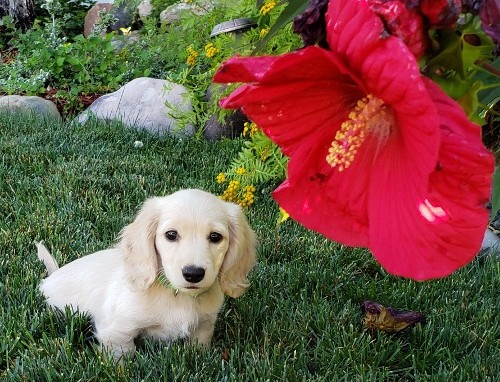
(120, 343)
(203, 333)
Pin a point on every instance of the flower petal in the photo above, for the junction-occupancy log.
(432, 232)
(385, 64)
(322, 199)
(287, 98)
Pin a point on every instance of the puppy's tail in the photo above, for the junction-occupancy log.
(45, 256)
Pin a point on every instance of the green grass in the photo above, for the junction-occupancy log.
(76, 187)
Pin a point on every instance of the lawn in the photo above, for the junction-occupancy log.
(76, 187)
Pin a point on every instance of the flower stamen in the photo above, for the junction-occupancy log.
(370, 115)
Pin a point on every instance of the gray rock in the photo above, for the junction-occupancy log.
(119, 42)
(231, 127)
(490, 244)
(36, 105)
(92, 17)
(145, 8)
(490, 240)
(174, 12)
(124, 17)
(144, 103)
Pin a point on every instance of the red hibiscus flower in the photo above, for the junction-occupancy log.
(380, 157)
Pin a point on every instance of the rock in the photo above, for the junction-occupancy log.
(92, 17)
(121, 41)
(145, 8)
(232, 126)
(490, 244)
(123, 16)
(34, 104)
(142, 104)
(174, 12)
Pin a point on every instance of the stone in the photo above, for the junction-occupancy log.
(174, 12)
(92, 17)
(145, 8)
(232, 127)
(490, 240)
(34, 104)
(144, 103)
(123, 16)
(120, 42)
(233, 124)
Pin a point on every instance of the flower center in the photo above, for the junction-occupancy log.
(370, 115)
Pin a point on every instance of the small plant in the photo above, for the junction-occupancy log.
(7, 31)
(260, 161)
(69, 15)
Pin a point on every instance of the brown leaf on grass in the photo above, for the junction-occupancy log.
(388, 319)
(225, 355)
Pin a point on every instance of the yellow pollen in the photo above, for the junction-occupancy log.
(370, 115)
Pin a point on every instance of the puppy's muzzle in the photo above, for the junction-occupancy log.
(193, 274)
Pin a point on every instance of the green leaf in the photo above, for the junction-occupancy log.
(481, 48)
(60, 61)
(450, 52)
(452, 84)
(73, 60)
(294, 8)
(495, 197)
(471, 54)
(469, 101)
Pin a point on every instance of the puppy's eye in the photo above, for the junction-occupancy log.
(215, 237)
(171, 235)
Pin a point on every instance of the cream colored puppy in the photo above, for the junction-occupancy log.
(166, 278)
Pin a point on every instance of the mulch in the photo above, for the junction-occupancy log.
(64, 106)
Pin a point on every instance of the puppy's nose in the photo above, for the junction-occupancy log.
(193, 274)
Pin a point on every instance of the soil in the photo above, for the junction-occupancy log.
(84, 100)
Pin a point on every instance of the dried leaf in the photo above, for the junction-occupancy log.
(225, 355)
(388, 319)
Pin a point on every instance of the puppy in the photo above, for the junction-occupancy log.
(166, 278)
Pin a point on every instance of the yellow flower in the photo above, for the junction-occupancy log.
(221, 178)
(236, 193)
(241, 171)
(264, 154)
(126, 31)
(193, 55)
(233, 185)
(229, 195)
(211, 50)
(283, 216)
(267, 7)
(263, 32)
(247, 196)
(250, 129)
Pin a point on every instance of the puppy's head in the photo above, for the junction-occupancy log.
(193, 237)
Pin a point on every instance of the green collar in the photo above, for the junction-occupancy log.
(164, 282)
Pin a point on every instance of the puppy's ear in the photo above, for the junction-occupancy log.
(240, 257)
(138, 246)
